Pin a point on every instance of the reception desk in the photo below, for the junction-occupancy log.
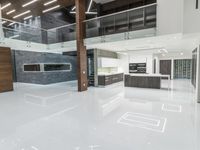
(144, 80)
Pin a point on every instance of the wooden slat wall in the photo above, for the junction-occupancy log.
(6, 74)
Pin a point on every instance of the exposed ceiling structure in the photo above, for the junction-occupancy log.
(18, 9)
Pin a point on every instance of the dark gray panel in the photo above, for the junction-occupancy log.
(23, 57)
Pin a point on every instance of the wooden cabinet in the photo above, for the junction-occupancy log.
(110, 79)
(6, 74)
(142, 81)
(165, 67)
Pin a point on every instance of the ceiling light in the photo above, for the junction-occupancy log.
(166, 51)
(50, 2)
(11, 23)
(3, 22)
(28, 17)
(29, 3)
(73, 8)
(52, 8)
(5, 6)
(181, 53)
(90, 6)
(24, 13)
(91, 13)
(10, 12)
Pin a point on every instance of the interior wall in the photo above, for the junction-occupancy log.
(25, 57)
(191, 17)
(170, 16)
(136, 58)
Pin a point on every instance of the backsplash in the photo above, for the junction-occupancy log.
(108, 70)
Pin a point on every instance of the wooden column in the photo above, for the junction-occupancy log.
(81, 49)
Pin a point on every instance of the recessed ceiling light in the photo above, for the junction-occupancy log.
(50, 2)
(10, 12)
(52, 8)
(29, 3)
(5, 6)
(28, 17)
(24, 13)
(181, 53)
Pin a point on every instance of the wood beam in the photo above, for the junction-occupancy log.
(81, 49)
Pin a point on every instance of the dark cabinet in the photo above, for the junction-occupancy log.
(110, 79)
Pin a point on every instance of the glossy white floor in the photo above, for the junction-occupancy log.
(56, 117)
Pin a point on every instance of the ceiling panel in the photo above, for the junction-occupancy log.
(36, 8)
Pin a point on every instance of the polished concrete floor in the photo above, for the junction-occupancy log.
(56, 117)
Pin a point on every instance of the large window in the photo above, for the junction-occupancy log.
(51, 67)
(57, 67)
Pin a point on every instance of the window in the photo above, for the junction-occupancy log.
(47, 67)
(32, 67)
(57, 67)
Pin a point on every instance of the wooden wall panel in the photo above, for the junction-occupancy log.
(6, 74)
(165, 67)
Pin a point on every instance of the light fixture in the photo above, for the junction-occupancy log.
(3, 22)
(28, 17)
(29, 3)
(182, 53)
(50, 2)
(73, 8)
(166, 51)
(11, 23)
(10, 12)
(24, 13)
(52, 8)
(88, 10)
(91, 13)
(5, 6)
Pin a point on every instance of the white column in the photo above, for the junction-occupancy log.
(1, 26)
(198, 76)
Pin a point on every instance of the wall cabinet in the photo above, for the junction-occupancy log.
(107, 62)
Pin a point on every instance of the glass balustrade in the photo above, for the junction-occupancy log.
(129, 24)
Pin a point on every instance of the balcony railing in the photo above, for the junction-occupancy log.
(128, 21)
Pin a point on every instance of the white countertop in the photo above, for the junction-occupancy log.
(148, 75)
(107, 74)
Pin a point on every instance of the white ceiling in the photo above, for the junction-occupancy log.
(172, 43)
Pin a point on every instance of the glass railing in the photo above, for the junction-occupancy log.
(123, 25)
(62, 34)
(21, 31)
(126, 21)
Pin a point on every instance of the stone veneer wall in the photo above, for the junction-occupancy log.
(25, 57)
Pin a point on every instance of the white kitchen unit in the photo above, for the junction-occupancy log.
(107, 62)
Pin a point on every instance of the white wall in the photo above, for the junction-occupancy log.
(170, 16)
(135, 58)
(191, 17)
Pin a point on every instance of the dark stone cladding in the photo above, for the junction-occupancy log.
(25, 57)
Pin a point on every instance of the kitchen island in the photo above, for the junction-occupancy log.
(145, 80)
(109, 78)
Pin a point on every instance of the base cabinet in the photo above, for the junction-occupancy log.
(104, 80)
